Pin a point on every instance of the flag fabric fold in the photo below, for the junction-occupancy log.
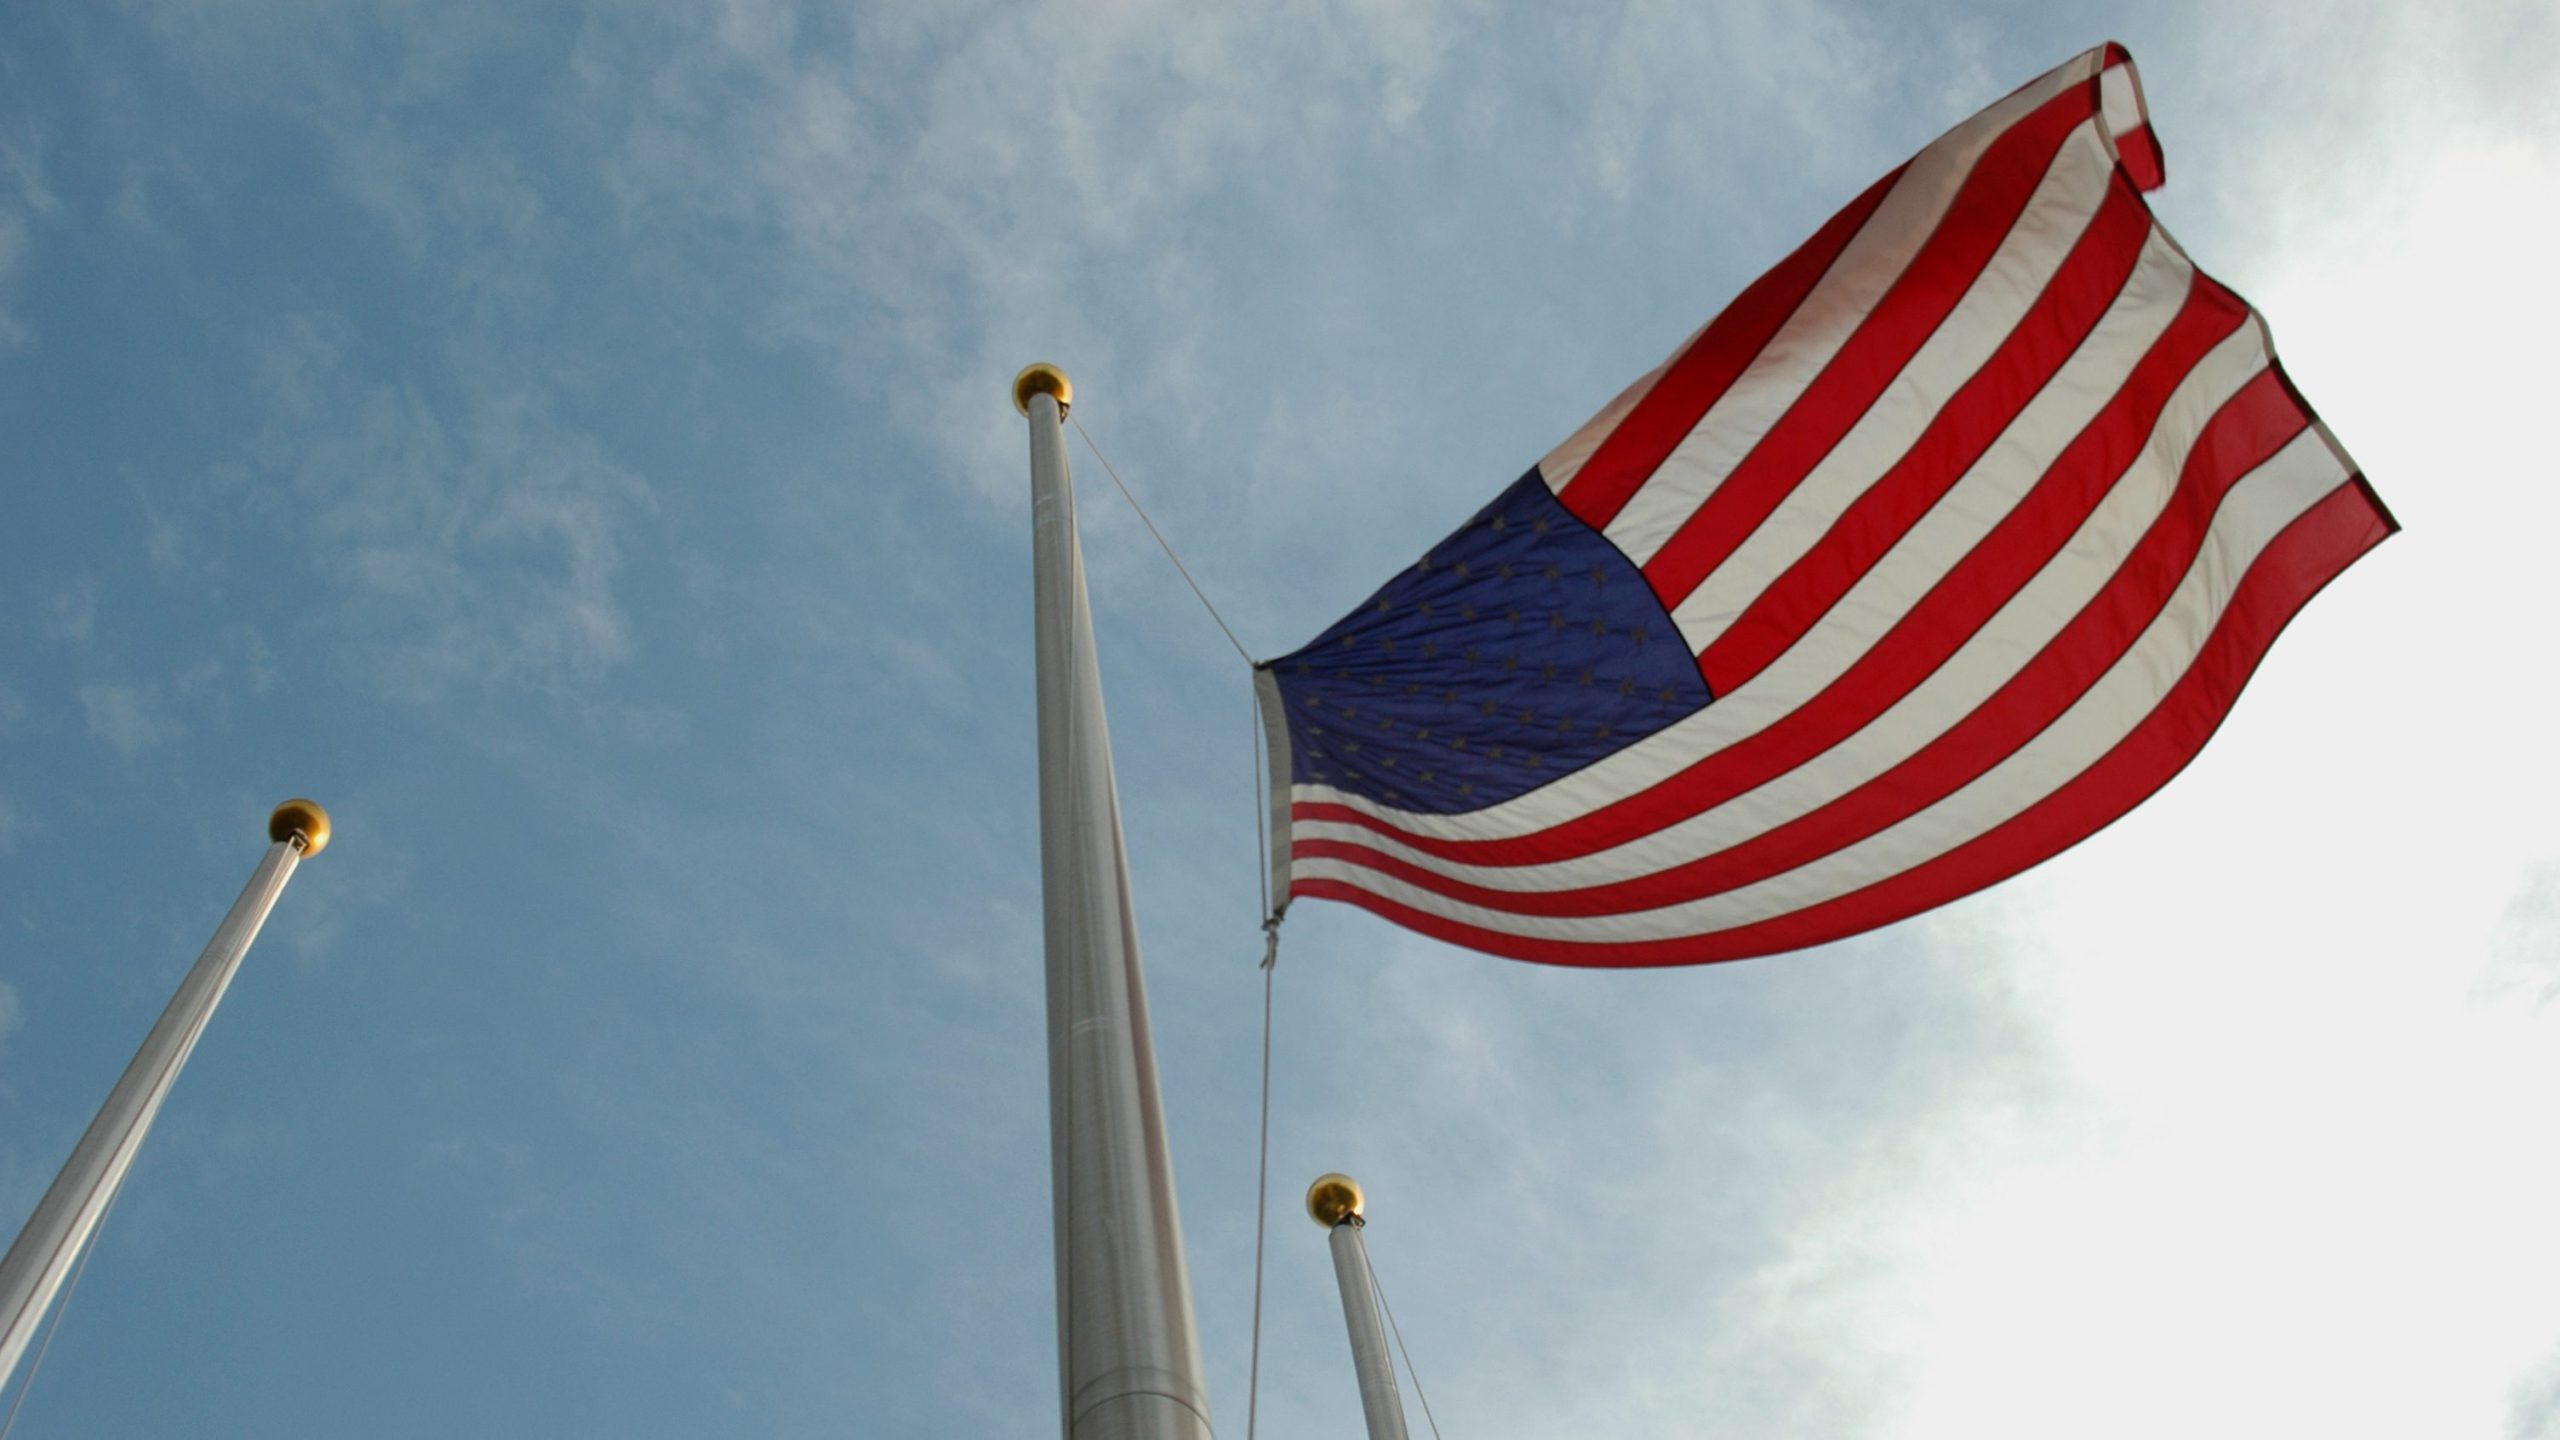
(1948, 541)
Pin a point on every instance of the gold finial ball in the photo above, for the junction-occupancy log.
(1334, 1200)
(304, 818)
(1042, 380)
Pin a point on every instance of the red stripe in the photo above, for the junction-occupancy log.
(1933, 629)
(1700, 375)
(2143, 164)
(2261, 420)
(1928, 290)
(2081, 292)
(2308, 554)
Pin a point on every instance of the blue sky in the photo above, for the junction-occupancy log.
(573, 445)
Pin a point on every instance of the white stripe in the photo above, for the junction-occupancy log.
(1953, 691)
(2005, 471)
(1820, 326)
(2120, 101)
(2252, 515)
(1982, 321)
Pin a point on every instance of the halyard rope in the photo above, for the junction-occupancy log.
(1262, 1150)
(1261, 1180)
(61, 1307)
(1160, 540)
(1389, 1311)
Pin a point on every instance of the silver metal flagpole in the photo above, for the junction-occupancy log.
(64, 1219)
(1335, 1202)
(1128, 1352)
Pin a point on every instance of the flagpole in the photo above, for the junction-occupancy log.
(68, 1215)
(1335, 1202)
(1128, 1352)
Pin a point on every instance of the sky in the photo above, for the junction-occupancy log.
(574, 445)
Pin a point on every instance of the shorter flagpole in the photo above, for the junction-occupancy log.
(42, 1257)
(1336, 1202)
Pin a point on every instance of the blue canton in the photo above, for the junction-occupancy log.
(1522, 648)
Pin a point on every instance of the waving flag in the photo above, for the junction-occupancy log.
(1949, 541)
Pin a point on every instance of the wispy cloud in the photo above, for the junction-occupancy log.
(13, 248)
(966, 199)
(2524, 955)
(2534, 1413)
(25, 198)
(466, 530)
(1778, 72)
(69, 610)
(480, 539)
(465, 535)
(129, 718)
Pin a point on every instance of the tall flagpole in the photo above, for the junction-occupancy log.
(1128, 1353)
(67, 1216)
(1335, 1202)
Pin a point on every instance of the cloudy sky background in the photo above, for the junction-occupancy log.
(573, 445)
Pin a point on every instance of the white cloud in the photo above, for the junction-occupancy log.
(70, 611)
(13, 248)
(2524, 953)
(472, 540)
(969, 200)
(2534, 1413)
(1773, 72)
(24, 197)
(127, 717)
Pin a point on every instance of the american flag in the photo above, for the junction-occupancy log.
(1949, 541)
